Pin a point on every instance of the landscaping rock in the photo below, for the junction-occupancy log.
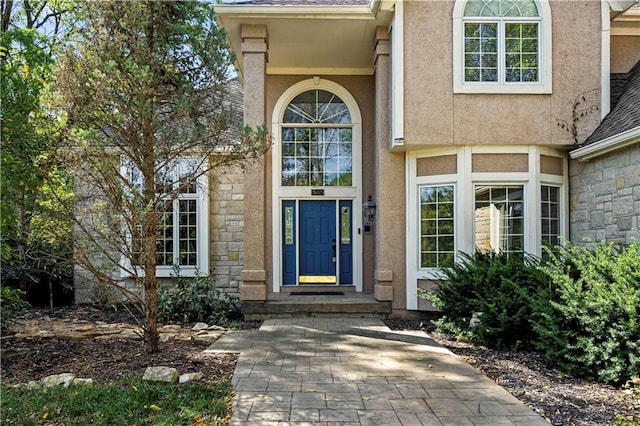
(208, 336)
(200, 326)
(165, 337)
(64, 379)
(189, 377)
(82, 382)
(160, 374)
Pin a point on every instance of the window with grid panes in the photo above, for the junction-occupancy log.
(550, 215)
(501, 41)
(317, 140)
(437, 239)
(178, 230)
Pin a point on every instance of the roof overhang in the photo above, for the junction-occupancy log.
(625, 17)
(328, 40)
(605, 146)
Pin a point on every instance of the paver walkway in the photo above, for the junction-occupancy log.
(356, 371)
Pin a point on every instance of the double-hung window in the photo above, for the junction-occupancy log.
(502, 46)
(182, 226)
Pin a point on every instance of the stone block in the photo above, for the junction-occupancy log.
(190, 377)
(384, 276)
(235, 207)
(219, 248)
(624, 223)
(383, 293)
(597, 219)
(253, 292)
(623, 206)
(64, 380)
(254, 275)
(160, 374)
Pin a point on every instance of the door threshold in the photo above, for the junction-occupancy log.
(307, 288)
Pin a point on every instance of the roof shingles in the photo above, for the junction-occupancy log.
(625, 115)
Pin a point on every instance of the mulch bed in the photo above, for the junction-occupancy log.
(559, 397)
(106, 360)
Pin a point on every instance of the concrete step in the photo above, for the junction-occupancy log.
(286, 305)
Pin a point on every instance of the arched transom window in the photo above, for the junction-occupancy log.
(317, 138)
(502, 41)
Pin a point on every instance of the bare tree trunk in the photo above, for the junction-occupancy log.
(151, 309)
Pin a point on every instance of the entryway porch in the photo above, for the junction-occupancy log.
(316, 301)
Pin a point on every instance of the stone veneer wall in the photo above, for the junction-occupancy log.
(226, 222)
(605, 197)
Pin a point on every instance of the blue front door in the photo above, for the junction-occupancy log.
(317, 242)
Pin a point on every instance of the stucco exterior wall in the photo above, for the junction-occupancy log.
(605, 198)
(362, 89)
(434, 115)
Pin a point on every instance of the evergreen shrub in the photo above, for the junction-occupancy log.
(487, 298)
(590, 324)
(195, 299)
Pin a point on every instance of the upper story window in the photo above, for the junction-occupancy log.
(502, 46)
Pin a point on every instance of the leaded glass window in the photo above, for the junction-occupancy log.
(317, 141)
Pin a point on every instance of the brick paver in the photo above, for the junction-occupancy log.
(356, 371)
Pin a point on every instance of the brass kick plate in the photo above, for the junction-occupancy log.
(317, 279)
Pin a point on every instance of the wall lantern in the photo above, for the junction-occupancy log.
(369, 211)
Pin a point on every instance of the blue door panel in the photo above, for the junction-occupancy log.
(289, 220)
(317, 238)
(346, 242)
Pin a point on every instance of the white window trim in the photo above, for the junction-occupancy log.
(202, 218)
(397, 77)
(464, 182)
(544, 86)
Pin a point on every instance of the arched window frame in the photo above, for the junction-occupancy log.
(543, 86)
(280, 192)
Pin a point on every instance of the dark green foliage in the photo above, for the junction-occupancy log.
(12, 304)
(187, 300)
(498, 289)
(590, 327)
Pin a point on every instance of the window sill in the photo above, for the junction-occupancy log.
(507, 89)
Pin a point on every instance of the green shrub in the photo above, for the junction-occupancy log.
(12, 304)
(196, 299)
(497, 291)
(590, 325)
